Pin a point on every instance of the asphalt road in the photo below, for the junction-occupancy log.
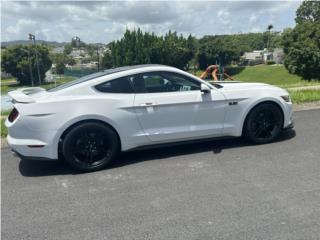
(213, 190)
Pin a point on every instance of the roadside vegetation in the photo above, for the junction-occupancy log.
(9, 87)
(272, 74)
(4, 130)
(305, 95)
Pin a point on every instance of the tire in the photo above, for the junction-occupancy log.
(90, 146)
(263, 124)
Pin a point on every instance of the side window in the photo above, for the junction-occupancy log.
(163, 82)
(119, 85)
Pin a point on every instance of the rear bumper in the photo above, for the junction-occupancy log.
(30, 148)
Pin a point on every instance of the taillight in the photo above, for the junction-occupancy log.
(13, 115)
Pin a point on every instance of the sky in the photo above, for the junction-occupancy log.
(105, 21)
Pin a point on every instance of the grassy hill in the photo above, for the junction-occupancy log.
(272, 74)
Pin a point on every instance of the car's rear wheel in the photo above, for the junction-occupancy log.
(90, 146)
(264, 123)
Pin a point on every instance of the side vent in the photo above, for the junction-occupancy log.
(233, 103)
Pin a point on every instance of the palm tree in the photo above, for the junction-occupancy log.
(269, 28)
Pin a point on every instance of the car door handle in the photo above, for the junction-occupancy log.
(147, 104)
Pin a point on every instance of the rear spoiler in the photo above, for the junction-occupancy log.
(21, 95)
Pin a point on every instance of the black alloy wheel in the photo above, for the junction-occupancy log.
(264, 123)
(90, 146)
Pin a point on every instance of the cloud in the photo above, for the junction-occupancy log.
(106, 21)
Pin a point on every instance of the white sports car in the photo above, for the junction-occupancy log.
(89, 120)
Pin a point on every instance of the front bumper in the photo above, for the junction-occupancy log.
(290, 126)
(288, 117)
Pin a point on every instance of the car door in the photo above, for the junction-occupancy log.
(170, 106)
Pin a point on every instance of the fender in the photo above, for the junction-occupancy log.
(75, 120)
(254, 104)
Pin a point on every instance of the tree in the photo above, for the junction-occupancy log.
(301, 44)
(309, 11)
(219, 50)
(16, 60)
(60, 62)
(67, 49)
(107, 61)
(71, 61)
(302, 50)
(136, 47)
(269, 28)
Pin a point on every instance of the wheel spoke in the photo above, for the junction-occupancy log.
(259, 131)
(91, 147)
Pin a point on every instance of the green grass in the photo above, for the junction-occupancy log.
(5, 113)
(272, 74)
(307, 95)
(7, 88)
(4, 130)
(8, 80)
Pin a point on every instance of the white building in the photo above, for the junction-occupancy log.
(263, 56)
(58, 49)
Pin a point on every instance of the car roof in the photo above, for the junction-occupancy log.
(102, 74)
(126, 68)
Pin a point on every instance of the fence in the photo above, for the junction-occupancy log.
(79, 72)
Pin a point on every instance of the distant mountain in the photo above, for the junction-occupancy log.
(27, 42)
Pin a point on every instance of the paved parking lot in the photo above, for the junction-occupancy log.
(212, 190)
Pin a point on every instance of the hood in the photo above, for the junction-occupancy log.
(248, 90)
(243, 86)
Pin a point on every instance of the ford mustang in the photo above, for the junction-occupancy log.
(90, 120)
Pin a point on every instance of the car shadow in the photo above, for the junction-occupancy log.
(214, 146)
(40, 168)
(36, 168)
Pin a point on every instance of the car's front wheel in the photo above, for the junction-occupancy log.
(90, 146)
(264, 123)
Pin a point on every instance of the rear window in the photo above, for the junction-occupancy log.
(119, 85)
(91, 76)
(77, 81)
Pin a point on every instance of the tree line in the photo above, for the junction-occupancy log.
(136, 47)
(301, 46)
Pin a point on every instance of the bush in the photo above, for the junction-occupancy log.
(270, 62)
(234, 70)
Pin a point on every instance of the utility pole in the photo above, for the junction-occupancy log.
(33, 38)
(98, 55)
(30, 67)
(77, 42)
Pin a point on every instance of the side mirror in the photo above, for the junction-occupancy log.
(205, 88)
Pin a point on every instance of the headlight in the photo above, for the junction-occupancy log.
(286, 98)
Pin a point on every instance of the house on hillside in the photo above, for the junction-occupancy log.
(58, 50)
(253, 58)
(263, 56)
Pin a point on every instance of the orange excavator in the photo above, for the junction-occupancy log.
(217, 72)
